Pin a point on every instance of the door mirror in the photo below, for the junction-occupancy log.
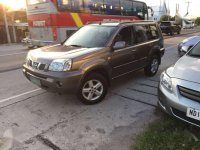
(119, 45)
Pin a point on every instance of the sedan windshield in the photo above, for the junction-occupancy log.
(91, 36)
(195, 52)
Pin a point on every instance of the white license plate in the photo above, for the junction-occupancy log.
(193, 113)
(35, 81)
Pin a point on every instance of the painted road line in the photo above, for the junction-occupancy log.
(13, 54)
(19, 95)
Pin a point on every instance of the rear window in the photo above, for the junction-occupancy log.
(32, 2)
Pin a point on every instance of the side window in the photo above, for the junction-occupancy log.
(141, 34)
(74, 5)
(112, 7)
(154, 32)
(127, 8)
(95, 6)
(125, 35)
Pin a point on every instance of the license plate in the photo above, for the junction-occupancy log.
(35, 81)
(193, 113)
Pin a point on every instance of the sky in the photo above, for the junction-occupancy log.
(193, 9)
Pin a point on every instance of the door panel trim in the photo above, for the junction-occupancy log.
(129, 62)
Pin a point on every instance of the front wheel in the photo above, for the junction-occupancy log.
(93, 89)
(152, 67)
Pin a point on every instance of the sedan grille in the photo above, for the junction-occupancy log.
(189, 93)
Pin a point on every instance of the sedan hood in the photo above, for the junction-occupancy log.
(191, 41)
(59, 52)
(187, 68)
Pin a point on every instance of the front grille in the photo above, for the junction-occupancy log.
(183, 116)
(189, 93)
(37, 65)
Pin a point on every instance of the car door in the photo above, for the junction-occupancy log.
(142, 44)
(122, 60)
(146, 39)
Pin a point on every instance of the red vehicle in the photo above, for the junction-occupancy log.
(52, 21)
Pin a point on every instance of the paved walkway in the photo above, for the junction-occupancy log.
(12, 47)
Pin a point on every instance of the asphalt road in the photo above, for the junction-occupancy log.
(32, 118)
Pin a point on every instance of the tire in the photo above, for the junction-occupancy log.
(92, 84)
(152, 68)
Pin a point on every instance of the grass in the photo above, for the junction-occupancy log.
(168, 133)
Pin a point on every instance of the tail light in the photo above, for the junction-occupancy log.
(54, 31)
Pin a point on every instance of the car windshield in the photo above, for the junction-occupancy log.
(195, 52)
(91, 36)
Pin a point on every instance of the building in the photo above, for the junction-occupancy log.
(17, 25)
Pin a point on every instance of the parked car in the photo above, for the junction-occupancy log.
(187, 44)
(179, 89)
(169, 27)
(92, 57)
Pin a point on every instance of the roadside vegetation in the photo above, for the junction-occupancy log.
(168, 133)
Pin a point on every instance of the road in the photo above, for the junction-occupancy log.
(32, 118)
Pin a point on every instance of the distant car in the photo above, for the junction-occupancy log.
(179, 88)
(187, 44)
(169, 27)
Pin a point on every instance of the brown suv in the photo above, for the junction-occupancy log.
(92, 57)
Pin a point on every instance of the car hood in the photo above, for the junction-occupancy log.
(187, 68)
(59, 52)
(191, 41)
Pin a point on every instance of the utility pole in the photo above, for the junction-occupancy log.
(188, 4)
(6, 24)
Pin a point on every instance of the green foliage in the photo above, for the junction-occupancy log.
(168, 134)
(197, 21)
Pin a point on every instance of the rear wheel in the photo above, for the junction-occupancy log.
(152, 67)
(93, 89)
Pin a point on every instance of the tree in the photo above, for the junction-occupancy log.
(197, 21)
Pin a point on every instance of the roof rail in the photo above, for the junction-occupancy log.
(118, 21)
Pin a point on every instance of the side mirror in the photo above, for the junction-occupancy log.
(119, 45)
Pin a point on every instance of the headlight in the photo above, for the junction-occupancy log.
(27, 59)
(60, 65)
(166, 81)
(185, 48)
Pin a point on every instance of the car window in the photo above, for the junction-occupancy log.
(195, 51)
(125, 35)
(141, 33)
(153, 32)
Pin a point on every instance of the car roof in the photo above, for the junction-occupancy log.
(120, 23)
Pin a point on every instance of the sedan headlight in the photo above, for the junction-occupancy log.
(60, 65)
(166, 81)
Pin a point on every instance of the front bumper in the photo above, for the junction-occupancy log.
(61, 82)
(175, 104)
